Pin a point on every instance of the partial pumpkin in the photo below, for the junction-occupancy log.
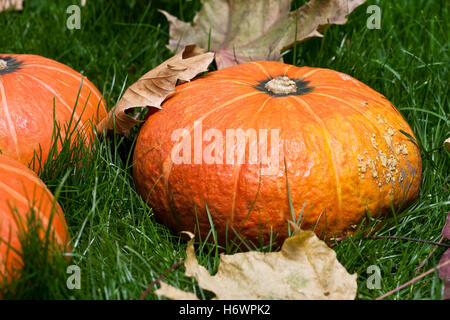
(23, 193)
(30, 86)
(340, 140)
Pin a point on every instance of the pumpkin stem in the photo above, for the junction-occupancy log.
(281, 85)
(3, 64)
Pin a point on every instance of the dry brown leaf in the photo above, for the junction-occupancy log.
(249, 30)
(446, 228)
(444, 273)
(155, 86)
(175, 293)
(305, 268)
(11, 5)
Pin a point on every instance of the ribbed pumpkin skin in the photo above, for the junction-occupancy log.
(340, 141)
(27, 91)
(20, 192)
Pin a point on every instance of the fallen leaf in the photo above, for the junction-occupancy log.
(11, 5)
(305, 268)
(444, 273)
(175, 293)
(446, 229)
(248, 30)
(155, 86)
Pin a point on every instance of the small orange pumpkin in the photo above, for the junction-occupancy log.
(22, 192)
(340, 141)
(28, 86)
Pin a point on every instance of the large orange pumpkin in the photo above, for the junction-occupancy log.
(29, 85)
(23, 193)
(340, 140)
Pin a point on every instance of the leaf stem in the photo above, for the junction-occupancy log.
(150, 286)
(413, 280)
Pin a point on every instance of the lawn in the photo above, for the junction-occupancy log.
(117, 242)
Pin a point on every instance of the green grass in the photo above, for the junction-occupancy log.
(116, 241)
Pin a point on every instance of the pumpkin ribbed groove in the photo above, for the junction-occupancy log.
(35, 92)
(332, 157)
(345, 155)
(21, 191)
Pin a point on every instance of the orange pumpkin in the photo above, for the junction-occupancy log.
(29, 85)
(340, 141)
(21, 193)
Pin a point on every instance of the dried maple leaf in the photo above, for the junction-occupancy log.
(305, 268)
(247, 30)
(175, 293)
(444, 272)
(446, 229)
(155, 86)
(11, 5)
